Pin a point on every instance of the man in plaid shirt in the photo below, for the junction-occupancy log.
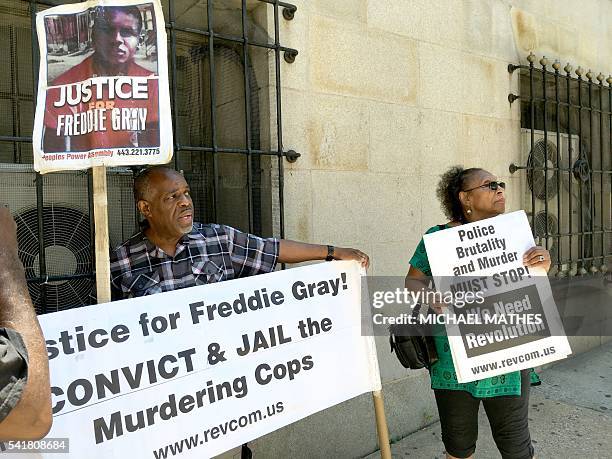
(174, 252)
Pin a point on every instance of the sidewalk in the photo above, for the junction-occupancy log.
(570, 414)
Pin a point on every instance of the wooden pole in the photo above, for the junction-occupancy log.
(101, 229)
(381, 425)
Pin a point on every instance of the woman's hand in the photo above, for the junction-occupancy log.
(417, 282)
(439, 308)
(537, 257)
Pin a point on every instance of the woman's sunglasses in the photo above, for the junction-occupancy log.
(491, 186)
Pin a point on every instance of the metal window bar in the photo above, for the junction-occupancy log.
(581, 231)
(568, 70)
(582, 269)
(558, 158)
(247, 112)
(252, 152)
(213, 114)
(279, 121)
(600, 78)
(589, 76)
(543, 63)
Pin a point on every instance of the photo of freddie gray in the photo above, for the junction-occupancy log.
(116, 45)
(101, 41)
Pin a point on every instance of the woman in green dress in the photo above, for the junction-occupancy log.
(469, 195)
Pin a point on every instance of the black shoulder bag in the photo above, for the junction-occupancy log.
(413, 344)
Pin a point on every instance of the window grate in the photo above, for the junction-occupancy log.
(566, 129)
(224, 71)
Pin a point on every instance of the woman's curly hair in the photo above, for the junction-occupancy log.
(449, 186)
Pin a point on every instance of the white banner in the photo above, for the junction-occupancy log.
(103, 96)
(516, 325)
(196, 372)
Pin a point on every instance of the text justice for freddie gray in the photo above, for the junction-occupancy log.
(70, 343)
(99, 94)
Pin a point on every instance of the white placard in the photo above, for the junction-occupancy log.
(207, 368)
(103, 96)
(487, 257)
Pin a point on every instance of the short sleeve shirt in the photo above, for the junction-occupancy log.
(443, 374)
(209, 253)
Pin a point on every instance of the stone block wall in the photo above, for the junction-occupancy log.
(383, 97)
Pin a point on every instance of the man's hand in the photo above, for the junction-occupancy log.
(341, 253)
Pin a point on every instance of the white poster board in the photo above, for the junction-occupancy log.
(205, 369)
(487, 256)
(103, 95)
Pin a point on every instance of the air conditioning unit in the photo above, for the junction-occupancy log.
(549, 191)
(67, 231)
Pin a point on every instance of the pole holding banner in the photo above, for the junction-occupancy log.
(381, 425)
(101, 226)
(379, 407)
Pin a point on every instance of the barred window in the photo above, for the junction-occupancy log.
(224, 63)
(566, 163)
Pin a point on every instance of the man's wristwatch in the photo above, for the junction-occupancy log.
(330, 253)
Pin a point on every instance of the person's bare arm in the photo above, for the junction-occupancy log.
(296, 252)
(417, 281)
(31, 418)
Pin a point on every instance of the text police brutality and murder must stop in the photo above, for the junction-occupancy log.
(100, 93)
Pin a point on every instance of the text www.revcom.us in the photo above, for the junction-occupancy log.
(505, 363)
(215, 432)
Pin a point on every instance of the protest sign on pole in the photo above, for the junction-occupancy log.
(100, 200)
(381, 425)
(515, 324)
(198, 371)
(103, 96)
(382, 429)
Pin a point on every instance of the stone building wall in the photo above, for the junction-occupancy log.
(383, 97)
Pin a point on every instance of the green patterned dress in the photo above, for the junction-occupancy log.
(443, 374)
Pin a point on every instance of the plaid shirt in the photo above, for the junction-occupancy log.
(209, 253)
